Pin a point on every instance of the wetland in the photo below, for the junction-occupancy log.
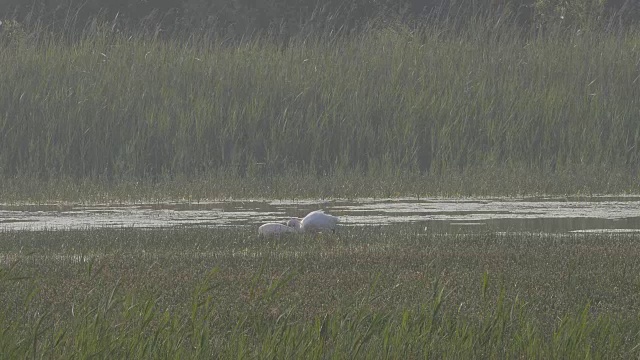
(548, 214)
(486, 185)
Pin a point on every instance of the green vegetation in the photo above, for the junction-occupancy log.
(286, 18)
(495, 181)
(394, 292)
(477, 100)
(492, 102)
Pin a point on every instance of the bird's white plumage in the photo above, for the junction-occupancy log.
(294, 223)
(315, 221)
(271, 229)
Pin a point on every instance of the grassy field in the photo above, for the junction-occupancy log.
(365, 292)
(491, 181)
(389, 110)
(480, 107)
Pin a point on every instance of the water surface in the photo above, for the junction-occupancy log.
(602, 214)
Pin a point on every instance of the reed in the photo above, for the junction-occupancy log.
(393, 292)
(441, 99)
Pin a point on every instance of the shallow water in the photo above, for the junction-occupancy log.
(594, 214)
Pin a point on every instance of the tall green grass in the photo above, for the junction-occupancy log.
(393, 292)
(483, 95)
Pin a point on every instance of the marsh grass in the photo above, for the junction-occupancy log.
(421, 105)
(366, 292)
(490, 181)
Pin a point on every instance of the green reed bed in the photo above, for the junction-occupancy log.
(476, 100)
(490, 181)
(364, 292)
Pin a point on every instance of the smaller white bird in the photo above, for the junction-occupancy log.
(315, 221)
(274, 229)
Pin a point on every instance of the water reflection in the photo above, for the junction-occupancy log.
(534, 214)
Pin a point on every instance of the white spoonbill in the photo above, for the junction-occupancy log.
(273, 229)
(315, 221)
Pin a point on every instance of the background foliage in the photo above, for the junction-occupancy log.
(146, 90)
(288, 17)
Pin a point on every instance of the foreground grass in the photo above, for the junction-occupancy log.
(366, 292)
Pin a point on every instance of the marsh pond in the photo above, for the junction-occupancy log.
(552, 214)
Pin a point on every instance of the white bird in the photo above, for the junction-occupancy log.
(315, 221)
(274, 229)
